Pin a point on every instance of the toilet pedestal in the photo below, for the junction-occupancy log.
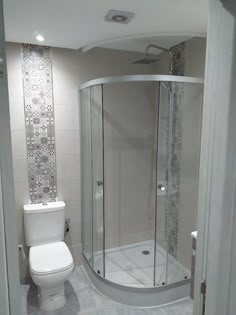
(51, 298)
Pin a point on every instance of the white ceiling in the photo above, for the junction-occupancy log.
(80, 23)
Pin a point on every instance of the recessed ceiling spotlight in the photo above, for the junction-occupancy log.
(119, 16)
(40, 38)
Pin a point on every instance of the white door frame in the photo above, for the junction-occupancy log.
(4, 298)
(216, 249)
(9, 266)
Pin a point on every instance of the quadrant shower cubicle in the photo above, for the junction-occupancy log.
(140, 145)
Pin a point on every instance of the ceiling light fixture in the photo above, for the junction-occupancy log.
(40, 38)
(119, 16)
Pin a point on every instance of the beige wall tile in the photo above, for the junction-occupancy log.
(20, 169)
(67, 142)
(68, 190)
(68, 167)
(18, 139)
(67, 117)
(17, 116)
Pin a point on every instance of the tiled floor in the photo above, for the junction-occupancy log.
(127, 265)
(83, 299)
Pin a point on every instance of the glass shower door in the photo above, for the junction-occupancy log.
(86, 175)
(177, 179)
(130, 159)
(183, 151)
(160, 264)
(174, 270)
(91, 114)
(168, 269)
(97, 178)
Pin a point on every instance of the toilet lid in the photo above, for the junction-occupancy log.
(50, 258)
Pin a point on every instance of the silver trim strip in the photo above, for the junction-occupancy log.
(145, 77)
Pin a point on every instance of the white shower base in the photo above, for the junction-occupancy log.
(127, 265)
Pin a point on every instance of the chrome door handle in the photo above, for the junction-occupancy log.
(99, 183)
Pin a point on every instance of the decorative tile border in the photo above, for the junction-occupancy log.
(39, 123)
(178, 59)
(175, 156)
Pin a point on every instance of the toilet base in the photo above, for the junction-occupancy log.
(51, 298)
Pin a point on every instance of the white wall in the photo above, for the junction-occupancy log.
(195, 55)
(195, 51)
(9, 268)
(216, 259)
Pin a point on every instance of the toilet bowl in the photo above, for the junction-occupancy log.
(50, 260)
(50, 266)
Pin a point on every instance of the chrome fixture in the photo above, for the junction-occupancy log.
(147, 59)
(67, 225)
(162, 188)
(99, 183)
(22, 251)
(119, 16)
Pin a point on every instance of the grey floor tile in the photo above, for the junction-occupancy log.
(83, 299)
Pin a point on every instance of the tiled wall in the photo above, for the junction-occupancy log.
(70, 69)
(39, 123)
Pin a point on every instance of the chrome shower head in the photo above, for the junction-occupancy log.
(145, 61)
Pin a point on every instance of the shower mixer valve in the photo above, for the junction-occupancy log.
(162, 187)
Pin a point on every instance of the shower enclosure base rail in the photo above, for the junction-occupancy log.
(139, 297)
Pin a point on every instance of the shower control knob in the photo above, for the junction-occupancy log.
(99, 183)
(162, 188)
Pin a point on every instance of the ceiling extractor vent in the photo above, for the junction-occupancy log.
(119, 16)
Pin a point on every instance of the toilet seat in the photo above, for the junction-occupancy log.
(50, 259)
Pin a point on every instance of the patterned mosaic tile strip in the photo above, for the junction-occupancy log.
(178, 59)
(175, 154)
(39, 123)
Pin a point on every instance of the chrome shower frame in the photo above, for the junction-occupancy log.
(138, 78)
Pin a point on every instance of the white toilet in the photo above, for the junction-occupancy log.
(50, 260)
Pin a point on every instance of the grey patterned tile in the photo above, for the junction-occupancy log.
(178, 52)
(39, 123)
(174, 152)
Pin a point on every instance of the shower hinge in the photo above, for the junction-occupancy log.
(203, 292)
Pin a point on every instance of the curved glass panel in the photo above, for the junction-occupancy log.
(180, 111)
(140, 148)
(129, 153)
(97, 178)
(86, 175)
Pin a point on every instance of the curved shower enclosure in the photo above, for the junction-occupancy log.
(140, 147)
